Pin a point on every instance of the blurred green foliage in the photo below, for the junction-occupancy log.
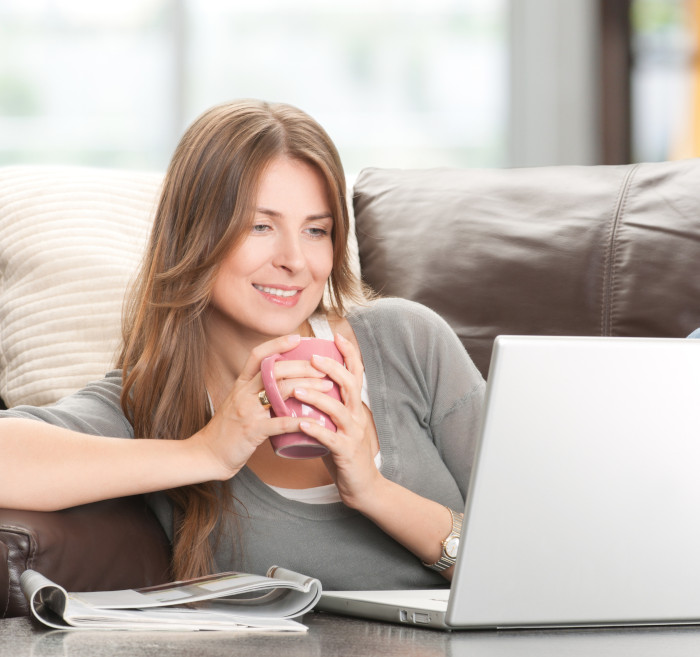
(650, 16)
(17, 96)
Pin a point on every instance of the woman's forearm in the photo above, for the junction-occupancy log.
(419, 524)
(44, 467)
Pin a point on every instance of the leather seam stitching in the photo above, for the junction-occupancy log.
(609, 272)
(31, 545)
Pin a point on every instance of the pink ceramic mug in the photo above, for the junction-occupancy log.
(298, 445)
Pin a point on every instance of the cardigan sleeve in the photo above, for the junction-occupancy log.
(427, 376)
(95, 409)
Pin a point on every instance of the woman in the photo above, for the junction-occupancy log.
(249, 252)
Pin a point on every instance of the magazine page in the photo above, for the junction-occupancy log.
(223, 601)
(177, 619)
(47, 600)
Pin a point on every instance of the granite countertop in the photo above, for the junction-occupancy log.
(328, 635)
(331, 636)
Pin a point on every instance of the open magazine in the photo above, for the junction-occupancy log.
(225, 601)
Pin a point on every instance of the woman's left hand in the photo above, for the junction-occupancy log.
(351, 458)
(351, 463)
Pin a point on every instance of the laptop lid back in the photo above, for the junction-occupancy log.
(585, 500)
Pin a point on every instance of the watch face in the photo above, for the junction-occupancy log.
(451, 547)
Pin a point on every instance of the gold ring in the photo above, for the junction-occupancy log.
(262, 396)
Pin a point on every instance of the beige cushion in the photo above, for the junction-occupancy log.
(71, 240)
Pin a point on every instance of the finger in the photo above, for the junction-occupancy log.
(336, 443)
(288, 386)
(285, 369)
(244, 398)
(351, 355)
(325, 436)
(253, 387)
(350, 384)
(262, 351)
(332, 368)
(277, 425)
(337, 411)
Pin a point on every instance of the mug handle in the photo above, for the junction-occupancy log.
(270, 383)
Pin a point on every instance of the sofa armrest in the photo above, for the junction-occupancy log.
(115, 544)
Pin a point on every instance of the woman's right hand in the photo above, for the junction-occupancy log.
(241, 423)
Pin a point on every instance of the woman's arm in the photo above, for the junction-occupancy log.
(418, 523)
(45, 467)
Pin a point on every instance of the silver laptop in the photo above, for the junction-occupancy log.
(584, 507)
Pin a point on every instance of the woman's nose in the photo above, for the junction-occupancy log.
(289, 254)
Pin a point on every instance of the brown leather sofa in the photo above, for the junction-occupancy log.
(611, 251)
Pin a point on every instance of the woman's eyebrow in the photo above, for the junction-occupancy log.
(269, 213)
(312, 217)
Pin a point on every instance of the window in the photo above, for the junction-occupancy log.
(664, 79)
(407, 84)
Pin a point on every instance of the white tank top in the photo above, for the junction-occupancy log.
(322, 329)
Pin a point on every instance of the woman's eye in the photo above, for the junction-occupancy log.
(317, 232)
(260, 228)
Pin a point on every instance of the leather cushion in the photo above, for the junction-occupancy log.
(107, 545)
(569, 250)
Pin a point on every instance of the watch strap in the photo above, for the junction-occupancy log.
(452, 542)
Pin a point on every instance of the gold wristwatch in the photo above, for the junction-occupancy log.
(450, 545)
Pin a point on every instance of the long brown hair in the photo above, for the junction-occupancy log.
(205, 210)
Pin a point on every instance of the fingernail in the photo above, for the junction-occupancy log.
(304, 425)
(294, 339)
(299, 392)
(340, 337)
(318, 359)
(326, 384)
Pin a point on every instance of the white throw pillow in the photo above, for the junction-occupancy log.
(71, 240)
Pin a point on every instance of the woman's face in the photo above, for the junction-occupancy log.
(273, 281)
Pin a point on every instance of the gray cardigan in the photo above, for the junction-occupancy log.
(426, 398)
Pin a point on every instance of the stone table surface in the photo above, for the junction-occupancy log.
(330, 636)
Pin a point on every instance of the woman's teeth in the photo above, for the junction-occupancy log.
(276, 291)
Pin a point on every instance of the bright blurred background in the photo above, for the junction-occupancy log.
(411, 83)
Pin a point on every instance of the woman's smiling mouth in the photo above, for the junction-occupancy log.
(285, 297)
(278, 292)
